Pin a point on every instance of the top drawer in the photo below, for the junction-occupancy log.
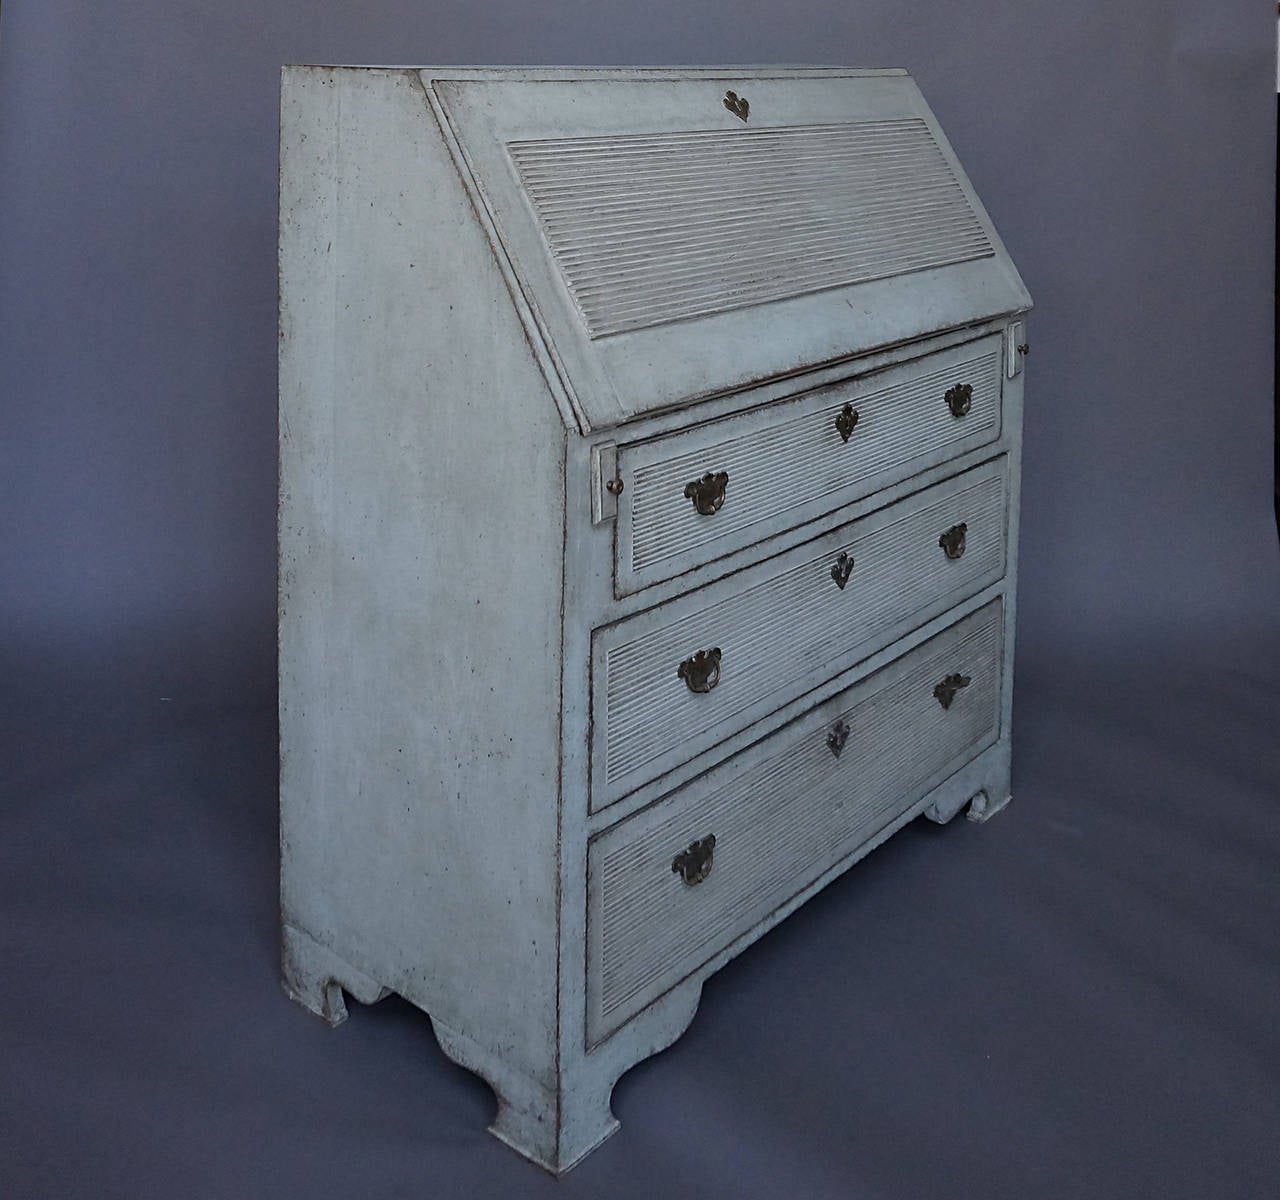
(788, 463)
(671, 246)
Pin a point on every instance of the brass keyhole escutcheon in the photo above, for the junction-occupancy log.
(842, 569)
(946, 691)
(737, 105)
(959, 399)
(693, 864)
(845, 421)
(707, 493)
(953, 541)
(837, 735)
(701, 672)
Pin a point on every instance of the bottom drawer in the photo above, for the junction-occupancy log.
(781, 813)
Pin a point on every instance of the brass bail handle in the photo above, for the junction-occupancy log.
(945, 692)
(693, 864)
(953, 540)
(707, 493)
(701, 672)
(959, 399)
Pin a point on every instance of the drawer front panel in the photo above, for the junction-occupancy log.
(784, 627)
(780, 813)
(789, 463)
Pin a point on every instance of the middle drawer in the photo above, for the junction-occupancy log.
(671, 682)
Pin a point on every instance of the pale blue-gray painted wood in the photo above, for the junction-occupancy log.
(467, 356)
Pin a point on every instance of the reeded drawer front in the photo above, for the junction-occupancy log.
(791, 462)
(670, 683)
(677, 883)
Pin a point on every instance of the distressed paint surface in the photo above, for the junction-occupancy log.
(443, 575)
(419, 788)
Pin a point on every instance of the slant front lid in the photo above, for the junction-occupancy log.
(680, 237)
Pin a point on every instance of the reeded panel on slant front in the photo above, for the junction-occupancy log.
(653, 228)
(682, 238)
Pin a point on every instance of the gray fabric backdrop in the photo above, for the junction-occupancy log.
(1079, 999)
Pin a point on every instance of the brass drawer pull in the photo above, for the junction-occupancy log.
(701, 672)
(959, 399)
(837, 735)
(707, 493)
(842, 569)
(693, 865)
(946, 691)
(845, 421)
(953, 541)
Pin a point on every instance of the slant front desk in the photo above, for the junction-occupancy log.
(649, 459)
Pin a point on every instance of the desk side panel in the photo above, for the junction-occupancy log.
(421, 560)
